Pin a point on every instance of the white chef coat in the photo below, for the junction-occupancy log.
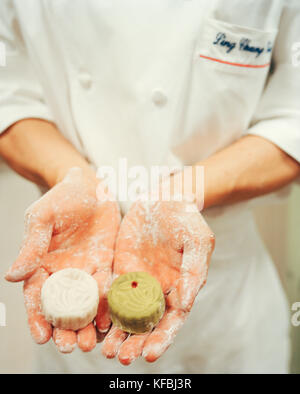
(163, 82)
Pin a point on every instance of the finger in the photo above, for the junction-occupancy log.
(107, 223)
(162, 336)
(103, 320)
(193, 275)
(65, 340)
(125, 261)
(194, 269)
(41, 330)
(87, 338)
(132, 348)
(36, 242)
(113, 341)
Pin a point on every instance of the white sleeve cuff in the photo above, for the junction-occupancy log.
(14, 113)
(283, 132)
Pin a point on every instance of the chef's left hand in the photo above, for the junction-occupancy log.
(171, 241)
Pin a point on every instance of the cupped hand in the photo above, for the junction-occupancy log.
(67, 227)
(172, 242)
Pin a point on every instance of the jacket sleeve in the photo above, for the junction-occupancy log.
(278, 114)
(21, 95)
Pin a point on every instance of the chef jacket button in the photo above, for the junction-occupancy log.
(159, 98)
(85, 79)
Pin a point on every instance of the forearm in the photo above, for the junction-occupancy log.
(37, 150)
(250, 167)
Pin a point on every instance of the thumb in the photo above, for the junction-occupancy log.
(194, 270)
(36, 243)
(102, 319)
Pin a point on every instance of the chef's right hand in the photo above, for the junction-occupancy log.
(68, 227)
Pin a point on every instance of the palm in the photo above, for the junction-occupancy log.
(85, 242)
(174, 246)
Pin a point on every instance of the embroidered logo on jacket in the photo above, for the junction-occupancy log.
(245, 44)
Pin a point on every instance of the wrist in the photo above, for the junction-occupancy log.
(53, 176)
(219, 183)
(188, 185)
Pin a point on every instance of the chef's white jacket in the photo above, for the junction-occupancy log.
(166, 82)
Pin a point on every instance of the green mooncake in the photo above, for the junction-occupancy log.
(136, 302)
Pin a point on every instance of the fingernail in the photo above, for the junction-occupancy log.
(102, 331)
(10, 275)
(14, 275)
(150, 357)
(125, 361)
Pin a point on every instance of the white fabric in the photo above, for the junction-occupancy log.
(163, 82)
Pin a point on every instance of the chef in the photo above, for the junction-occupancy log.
(160, 82)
